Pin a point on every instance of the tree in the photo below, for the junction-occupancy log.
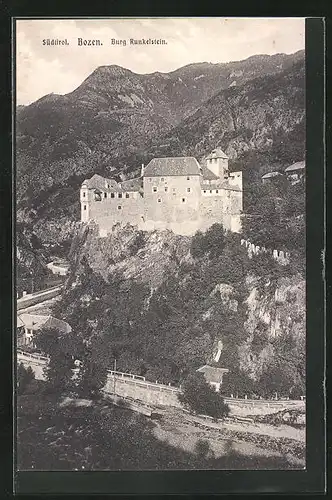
(199, 396)
(92, 378)
(24, 377)
(58, 371)
(211, 242)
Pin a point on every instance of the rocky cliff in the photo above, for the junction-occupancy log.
(167, 311)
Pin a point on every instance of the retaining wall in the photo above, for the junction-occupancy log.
(136, 388)
(34, 298)
(152, 394)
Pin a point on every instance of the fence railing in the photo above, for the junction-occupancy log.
(125, 375)
(23, 354)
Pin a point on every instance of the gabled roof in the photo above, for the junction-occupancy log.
(220, 185)
(270, 174)
(99, 182)
(300, 165)
(38, 321)
(132, 184)
(212, 373)
(217, 153)
(179, 166)
(208, 175)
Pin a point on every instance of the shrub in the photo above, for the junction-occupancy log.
(199, 396)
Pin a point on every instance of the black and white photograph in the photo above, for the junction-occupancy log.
(160, 191)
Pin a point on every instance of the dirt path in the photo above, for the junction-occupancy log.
(184, 430)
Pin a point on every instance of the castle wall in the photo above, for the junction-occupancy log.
(178, 203)
(172, 199)
(107, 212)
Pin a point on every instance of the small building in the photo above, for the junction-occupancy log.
(213, 375)
(271, 176)
(295, 172)
(29, 324)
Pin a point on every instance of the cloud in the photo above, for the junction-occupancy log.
(60, 69)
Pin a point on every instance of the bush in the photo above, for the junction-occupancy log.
(199, 396)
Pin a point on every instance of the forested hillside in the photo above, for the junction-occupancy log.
(163, 320)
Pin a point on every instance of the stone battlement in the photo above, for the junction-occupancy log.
(279, 255)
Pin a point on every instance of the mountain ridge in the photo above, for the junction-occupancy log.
(112, 129)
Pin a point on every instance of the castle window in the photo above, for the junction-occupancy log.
(210, 190)
(188, 178)
(149, 179)
(174, 190)
(162, 179)
(83, 195)
(188, 190)
(119, 207)
(127, 195)
(166, 189)
(98, 196)
(119, 195)
(112, 195)
(105, 195)
(84, 207)
(159, 200)
(154, 189)
(183, 200)
(204, 191)
(217, 191)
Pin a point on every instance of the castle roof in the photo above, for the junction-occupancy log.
(208, 175)
(213, 373)
(217, 153)
(99, 182)
(220, 185)
(37, 321)
(179, 166)
(300, 165)
(132, 184)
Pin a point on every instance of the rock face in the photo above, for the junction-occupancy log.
(143, 256)
(273, 312)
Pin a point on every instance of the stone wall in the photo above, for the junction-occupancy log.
(279, 255)
(172, 199)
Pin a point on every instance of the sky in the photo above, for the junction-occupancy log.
(42, 69)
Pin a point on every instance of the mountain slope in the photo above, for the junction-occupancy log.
(265, 115)
(112, 116)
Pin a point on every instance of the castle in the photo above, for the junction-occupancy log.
(172, 193)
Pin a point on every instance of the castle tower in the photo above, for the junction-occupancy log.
(85, 203)
(217, 162)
